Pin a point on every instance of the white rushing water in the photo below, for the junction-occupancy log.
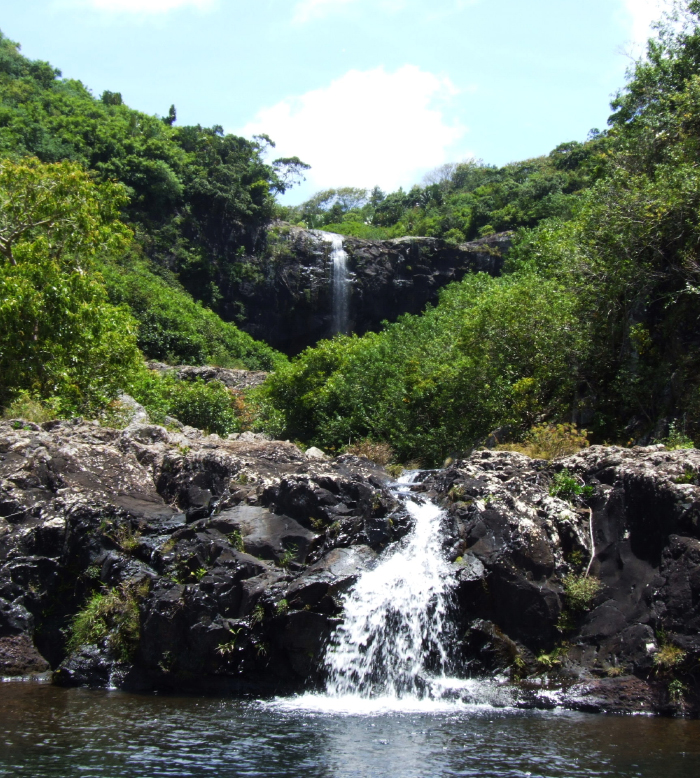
(392, 651)
(393, 638)
(340, 283)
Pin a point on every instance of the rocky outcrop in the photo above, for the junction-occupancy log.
(593, 601)
(193, 563)
(229, 377)
(287, 296)
(191, 550)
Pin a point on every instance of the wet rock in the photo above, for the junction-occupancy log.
(19, 657)
(265, 534)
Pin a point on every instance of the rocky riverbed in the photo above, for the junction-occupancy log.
(208, 565)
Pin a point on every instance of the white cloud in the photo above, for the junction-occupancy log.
(366, 128)
(146, 6)
(314, 9)
(642, 14)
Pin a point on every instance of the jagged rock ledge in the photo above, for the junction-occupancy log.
(287, 294)
(226, 559)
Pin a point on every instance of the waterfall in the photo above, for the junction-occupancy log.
(340, 285)
(393, 639)
(392, 650)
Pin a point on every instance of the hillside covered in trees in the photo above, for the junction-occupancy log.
(595, 319)
(123, 235)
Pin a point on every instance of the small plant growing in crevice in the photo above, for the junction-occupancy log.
(93, 573)
(676, 691)
(288, 556)
(580, 592)
(689, 477)
(457, 493)
(227, 648)
(566, 486)
(282, 607)
(110, 617)
(257, 615)
(262, 649)
(127, 539)
(235, 538)
(668, 656)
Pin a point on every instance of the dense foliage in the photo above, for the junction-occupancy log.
(59, 335)
(595, 319)
(174, 328)
(196, 198)
(462, 201)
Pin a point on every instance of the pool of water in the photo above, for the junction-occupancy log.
(47, 731)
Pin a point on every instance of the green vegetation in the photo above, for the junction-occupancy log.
(59, 336)
(110, 617)
(567, 486)
(174, 328)
(593, 321)
(580, 591)
(83, 295)
(207, 406)
(494, 351)
(549, 441)
(461, 202)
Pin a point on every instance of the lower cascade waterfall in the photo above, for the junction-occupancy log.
(394, 638)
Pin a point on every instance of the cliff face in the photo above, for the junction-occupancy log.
(220, 565)
(285, 297)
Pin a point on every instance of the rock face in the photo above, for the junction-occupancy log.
(229, 377)
(625, 637)
(212, 565)
(287, 296)
(204, 541)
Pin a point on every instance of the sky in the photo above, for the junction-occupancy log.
(368, 92)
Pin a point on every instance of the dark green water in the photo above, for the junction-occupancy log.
(46, 731)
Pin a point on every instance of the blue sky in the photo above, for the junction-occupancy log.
(366, 91)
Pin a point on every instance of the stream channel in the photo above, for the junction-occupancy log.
(390, 708)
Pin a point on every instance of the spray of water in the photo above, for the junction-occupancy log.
(392, 650)
(393, 639)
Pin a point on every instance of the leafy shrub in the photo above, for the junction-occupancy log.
(208, 406)
(676, 438)
(111, 618)
(567, 486)
(580, 591)
(59, 336)
(172, 327)
(26, 407)
(550, 441)
(379, 453)
(494, 351)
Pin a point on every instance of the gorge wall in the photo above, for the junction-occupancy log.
(285, 297)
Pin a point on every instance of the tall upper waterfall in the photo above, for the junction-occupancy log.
(393, 639)
(339, 283)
